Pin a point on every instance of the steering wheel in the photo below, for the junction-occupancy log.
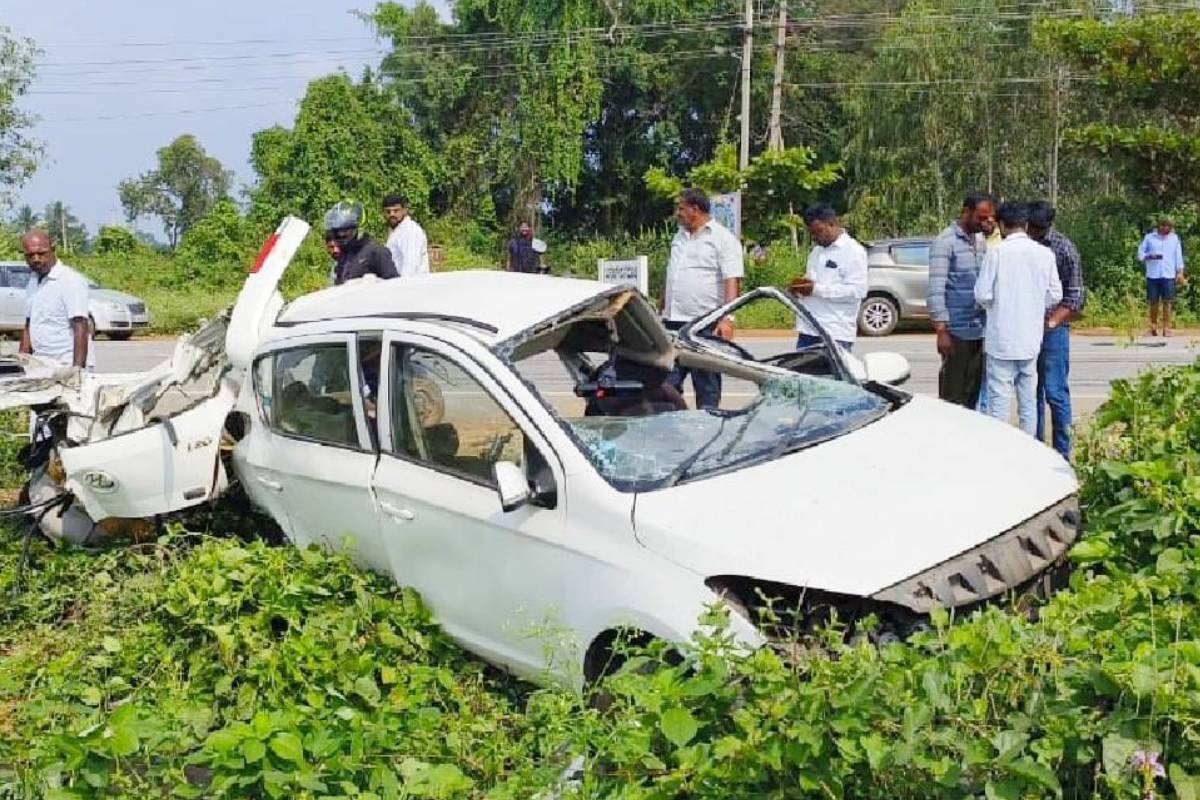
(780, 359)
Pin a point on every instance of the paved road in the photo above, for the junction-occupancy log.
(1095, 360)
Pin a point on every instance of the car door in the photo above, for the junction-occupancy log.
(912, 270)
(315, 460)
(12, 297)
(500, 582)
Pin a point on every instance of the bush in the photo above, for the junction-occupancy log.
(217, 251)
(220, 668)
(114, 240)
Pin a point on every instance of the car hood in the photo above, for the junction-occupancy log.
(862, 512)
(113, 296)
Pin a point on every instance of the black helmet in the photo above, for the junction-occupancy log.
(344, 215)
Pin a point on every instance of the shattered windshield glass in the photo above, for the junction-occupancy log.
(642, 453)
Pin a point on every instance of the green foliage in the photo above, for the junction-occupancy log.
(59, 222)
(111, 239)
(217, 250)
(347, 144)
(223, 668)
(775, 186)
(1141, 111)
(179, 191)
(20, 154)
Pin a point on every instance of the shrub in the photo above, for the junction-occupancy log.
(111, 239)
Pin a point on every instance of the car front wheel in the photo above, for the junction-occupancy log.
(878, 316)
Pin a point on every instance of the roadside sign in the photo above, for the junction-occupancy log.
(633, 272)
(727, 210)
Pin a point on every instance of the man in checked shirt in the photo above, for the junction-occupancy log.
(1054, 361)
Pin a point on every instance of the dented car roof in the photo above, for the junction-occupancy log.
(499, 304)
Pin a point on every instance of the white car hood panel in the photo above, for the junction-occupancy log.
(864, 511)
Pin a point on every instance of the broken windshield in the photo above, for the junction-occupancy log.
(643, 453)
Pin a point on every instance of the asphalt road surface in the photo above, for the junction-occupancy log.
(1095, 360)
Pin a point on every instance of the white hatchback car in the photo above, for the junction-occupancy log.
(565, 492)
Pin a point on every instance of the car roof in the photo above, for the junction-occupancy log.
(901, 240)
(503, 303)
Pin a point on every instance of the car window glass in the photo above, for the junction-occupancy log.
(442, 416)
(311, 394)
(911, 255)
(370, 354)
(263, 387)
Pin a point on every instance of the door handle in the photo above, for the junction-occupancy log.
(398, 514)
(267, 483)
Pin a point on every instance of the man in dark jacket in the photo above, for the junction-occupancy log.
(359, 255)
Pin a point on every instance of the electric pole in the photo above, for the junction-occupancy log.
(747, 49)
(775, 140)
(62, 226)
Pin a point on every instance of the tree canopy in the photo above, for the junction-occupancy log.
(179, 191)
(19, 152)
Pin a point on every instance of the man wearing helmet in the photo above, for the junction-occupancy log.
(359, 255)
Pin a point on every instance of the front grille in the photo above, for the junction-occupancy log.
(1001, 564)
(137, 308)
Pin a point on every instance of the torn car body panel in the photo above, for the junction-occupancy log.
(133, 446)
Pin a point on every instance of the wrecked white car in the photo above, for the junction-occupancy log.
(508, 445)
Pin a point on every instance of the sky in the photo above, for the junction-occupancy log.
(118, 79)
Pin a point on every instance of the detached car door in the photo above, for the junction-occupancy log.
(314, 461)
(495, 580)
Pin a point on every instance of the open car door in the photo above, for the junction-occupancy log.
(825, 359)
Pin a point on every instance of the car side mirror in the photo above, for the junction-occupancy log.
(889, 368)
(511, 485)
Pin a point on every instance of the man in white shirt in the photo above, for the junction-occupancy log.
(1162, 255)
(704, 272)
(1017, 283)
(56, 307)
(406, 241)
(834, 283)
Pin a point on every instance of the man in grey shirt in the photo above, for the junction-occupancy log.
(954, 261)
(704, 272)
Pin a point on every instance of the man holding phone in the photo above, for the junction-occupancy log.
(834, 282)
(1162, 255)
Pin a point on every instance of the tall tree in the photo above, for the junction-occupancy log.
(348, 142)
(66, 231)
(183, 187)
(25, 218)
(1139, 79)
(19, 152)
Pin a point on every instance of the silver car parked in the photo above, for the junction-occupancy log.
(898, 278)
(115, 314)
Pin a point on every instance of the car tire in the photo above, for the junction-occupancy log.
(120, 336)
(91, 328)
(878, 316)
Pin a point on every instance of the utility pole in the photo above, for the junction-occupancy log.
(775, 140)
(62, 226)
(747, 49)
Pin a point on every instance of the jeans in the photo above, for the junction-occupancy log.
(804, 340)
(1054, 367)
(706, 384)
(1002, 376)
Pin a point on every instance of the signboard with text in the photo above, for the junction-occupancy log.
(727, 210)
(633, 272)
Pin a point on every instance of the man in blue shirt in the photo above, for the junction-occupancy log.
(1162, 255)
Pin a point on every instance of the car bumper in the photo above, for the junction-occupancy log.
(116, 322)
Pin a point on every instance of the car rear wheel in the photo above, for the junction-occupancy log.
(878, 316)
